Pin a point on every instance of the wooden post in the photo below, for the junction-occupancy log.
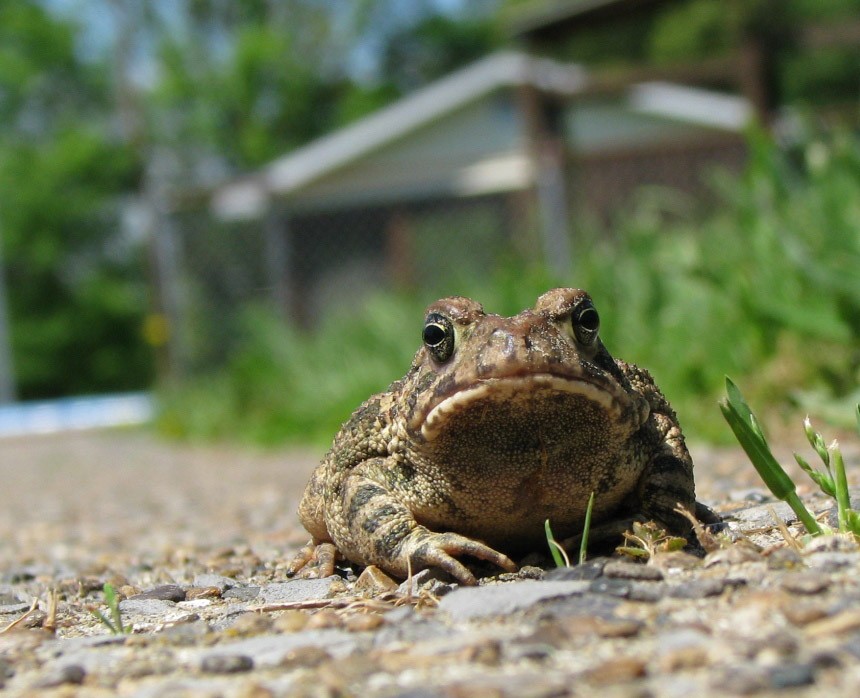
(398, 250)
(545, 145)
(276, 232)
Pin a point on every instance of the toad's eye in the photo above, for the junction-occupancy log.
(439, 336)
(586, 323)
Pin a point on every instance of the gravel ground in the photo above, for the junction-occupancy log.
(195, 540)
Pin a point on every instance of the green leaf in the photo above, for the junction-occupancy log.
(586, 527)
(553, 545)
(776, 479)
(823, 480)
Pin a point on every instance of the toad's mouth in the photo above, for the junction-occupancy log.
(525, 394)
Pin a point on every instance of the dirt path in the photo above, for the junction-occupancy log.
(195, 539)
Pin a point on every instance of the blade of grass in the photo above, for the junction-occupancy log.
(583, 546)
(554, 547)
(770, 471)
(843, 502)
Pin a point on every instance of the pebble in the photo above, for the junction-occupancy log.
(214, 580)
(146, 607)
(632, 570)
(468, 603)
(612, 587)
(226, 664)
(792, 675)
(696, 589)
(72, 674)
(298, 590)
(166, 592)
(373, 581)
(807, 583)
(589, 570)
(242, 593)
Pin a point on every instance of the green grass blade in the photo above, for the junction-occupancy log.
(857, 416)
(737, 401)
(101, 616)
(843, 502)
(113, 605)
(553, 545)
(586, 527)
(823, 480)
(776, 479)
(770, 471)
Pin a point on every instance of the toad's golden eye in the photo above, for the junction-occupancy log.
(586, 323)
(439, 336)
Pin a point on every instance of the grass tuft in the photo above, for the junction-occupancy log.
(832, 480)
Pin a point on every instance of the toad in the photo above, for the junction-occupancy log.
(500, 424)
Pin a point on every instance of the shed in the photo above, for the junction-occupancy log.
(454, 176)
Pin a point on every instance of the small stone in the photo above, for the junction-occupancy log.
(676, 560)
(696, 589)
(831, 561)
(251, 624)
(374, 581)
(733, 555)
(792, 675)
(845, 622)
(805, 583)
(432, 580)
(73, 674)
(616, 670)
(613, 587)
(587, 571)
(650, 592)
(782, 558)
(146, 607)
(214, 580)
(299, 590)
(166, 592)
(803, 613)
(740, 680)
(622, 627)
(305, 657)
(18, 607)
(325, 618)
(363, 622)
(291, 621)
(631, 570)
(193, 593)
(226, 664)
(242, 593)
(503, 599)
(683, 659)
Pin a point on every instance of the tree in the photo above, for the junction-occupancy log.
(76, 300)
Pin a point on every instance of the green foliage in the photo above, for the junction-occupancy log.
(647, 540)
(75, 291)
(697, 29)
(832, 480)
(559, 555)
(434, 47)
(113, 623)
(751, 438)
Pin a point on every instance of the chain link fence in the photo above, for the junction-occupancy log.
(306, 265)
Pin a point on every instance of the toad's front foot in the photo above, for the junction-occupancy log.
(424, 548)
(313, 561)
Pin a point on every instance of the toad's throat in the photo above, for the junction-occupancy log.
(520, 394)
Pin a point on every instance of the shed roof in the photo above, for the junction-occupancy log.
(329, 153)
